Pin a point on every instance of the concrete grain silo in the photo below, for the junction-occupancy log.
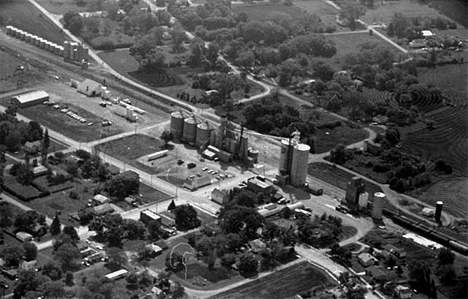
(18, 33)
(300, 162)
(66, 49)
(285, 155)
(377, 205)
(23, 35)
(203, 133)
(189, 134)
(8, 30)
(177, 124)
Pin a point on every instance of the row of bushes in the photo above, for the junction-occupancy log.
(25, 193)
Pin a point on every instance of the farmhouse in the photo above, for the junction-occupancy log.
(154, 249)
(30, 99)
(403, 292)
(24, 237)
(366, 259)
(32, 147)
(90, 88)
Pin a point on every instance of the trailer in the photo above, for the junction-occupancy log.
(157, 155)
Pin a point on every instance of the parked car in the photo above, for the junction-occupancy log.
(180, 162)
(191, 165)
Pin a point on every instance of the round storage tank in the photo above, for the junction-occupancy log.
(27, 38)
(300, 161)
(190, 129)
(42, 44)
(377, 205)
(23, 35)
(18, 33)
(8, 30)
(177, 124)
(203, 133)
(438, 212)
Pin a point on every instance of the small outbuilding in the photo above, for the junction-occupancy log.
(90, 88)
(403, 292)
(427, 33)
(30, 98)
(101, 199)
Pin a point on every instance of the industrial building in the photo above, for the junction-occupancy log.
(219, 196)
(75, 51)
(221, 142)
(30, 99)
(294, 160)
(90, 88)
(146, 216)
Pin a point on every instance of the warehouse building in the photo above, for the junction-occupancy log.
(90, 88)
(30, 99)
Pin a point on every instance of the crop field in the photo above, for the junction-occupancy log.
(284, 283)
(125, 64)
(25, 16)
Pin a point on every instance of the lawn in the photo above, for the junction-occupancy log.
(325, 11)
(263, 11)
(23, 15)
(9, 65)
(284, 283)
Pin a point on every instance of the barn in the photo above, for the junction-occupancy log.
(90, 88)
(30, 98)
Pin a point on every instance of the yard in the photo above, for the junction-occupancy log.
(284, 283)
(25, 16)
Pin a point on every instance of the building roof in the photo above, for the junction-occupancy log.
(39, 170)
(427, 33)
(100, 198)
(28, 265)
(92, 85)
(366, 257)
(31, 96)
(391, 248)
(216, 191)
(151, 214)
(155, 248)
(103, 209)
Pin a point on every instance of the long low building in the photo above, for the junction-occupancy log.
(30, 98)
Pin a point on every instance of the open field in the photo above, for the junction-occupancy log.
(125, 64)
(9, 65)
(60, 7)
(347, 43)
(325, 11)
(455, 10)
(284, 283)
(25, 16)
(454, 79)
(263, 11)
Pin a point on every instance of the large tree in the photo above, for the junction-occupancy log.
(69, 256)
(352, 11)
(186, 217)
(55, 227)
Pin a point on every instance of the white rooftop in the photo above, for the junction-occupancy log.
(422, 241)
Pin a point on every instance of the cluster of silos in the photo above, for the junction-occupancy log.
(294, 160)
(75, 51)
(188, 128)
(35, 40)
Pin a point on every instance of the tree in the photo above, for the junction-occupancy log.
(116, 256)
(55, 227)
(71, 231)
(24, 174)
(248, 265)
(339, 155)
(204, 246)
(30, 251)
(445, 256)
(12, 255)
(53, 289)
(240, 220)
(53, 270)
(68, 255)
(122, 186)
(73, 22)
(154, 230)
(179, 291)
(171, 206)
(29, 281)
(352, 11)
(69, 278)
(167, 136)
(5, 214)
(186, 217)
(178, 37)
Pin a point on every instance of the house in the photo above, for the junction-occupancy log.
(427, 33)
(257, 245)
(155, 249)
(403, 292)
(82, 245)
(11, 274)
(366, 259)
(102, 209)
(219, 196)
(24, 237)
(30, 98)
(417, 44)
(32, 147)
(161, 243)
(90, 88)
(377, 273)
(100, 199)
(30, 265)
(398, 252)
(156, 293)
(39, 170)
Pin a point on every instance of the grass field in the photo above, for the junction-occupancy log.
(284, 283)
(9, 65)
(23, 15)
(60, 7)
(455, 10)
(264, 11)
(350, 43)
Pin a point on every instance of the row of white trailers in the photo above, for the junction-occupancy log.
(35, 40)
